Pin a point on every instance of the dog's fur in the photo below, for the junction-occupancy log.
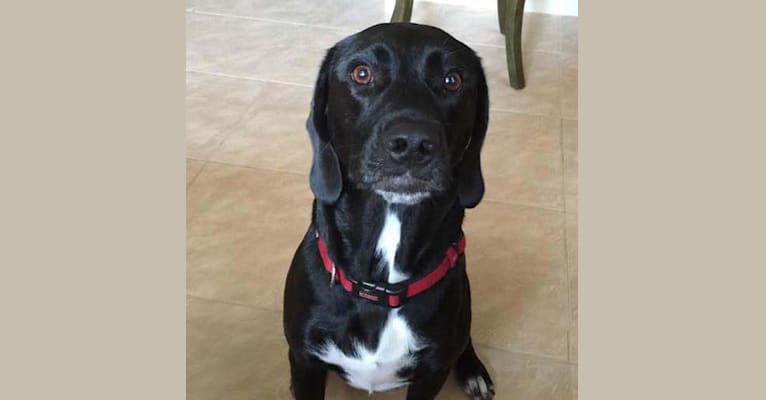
(387, 217)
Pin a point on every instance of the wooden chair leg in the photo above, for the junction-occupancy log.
(501, 15)
(402, 11)
(513, 18)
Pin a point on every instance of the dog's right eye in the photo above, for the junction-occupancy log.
(362, 74)
(452, 81)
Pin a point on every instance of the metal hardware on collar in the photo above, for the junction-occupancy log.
(391, 295)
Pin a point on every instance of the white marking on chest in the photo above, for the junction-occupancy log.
(377, 370)
(388, 243)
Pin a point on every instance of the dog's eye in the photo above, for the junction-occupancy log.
(362, 74)
(452, 81)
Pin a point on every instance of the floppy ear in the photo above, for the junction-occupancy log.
(325, 178)
(470, 182)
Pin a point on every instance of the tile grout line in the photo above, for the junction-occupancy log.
(195, 159)
(348, 31)
(565, 56)
(232, 128)
(303, 85)
(269, 20)
(520, 354)
(526, 205)
(247, 78)
(277, 170)
(232, 303)
(563, 186)
(566, 242)
(194, 179)
(510, 111)
(523, 354)
(269, 169)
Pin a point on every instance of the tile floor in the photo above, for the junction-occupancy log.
(250, 68)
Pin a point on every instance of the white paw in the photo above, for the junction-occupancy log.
(477, 388)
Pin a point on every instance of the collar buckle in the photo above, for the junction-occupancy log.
(379, 294)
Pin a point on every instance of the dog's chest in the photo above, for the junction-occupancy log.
(377, 369)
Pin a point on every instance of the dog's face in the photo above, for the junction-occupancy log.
(400, 110)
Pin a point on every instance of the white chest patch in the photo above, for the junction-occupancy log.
(375, 371)
(388, 243)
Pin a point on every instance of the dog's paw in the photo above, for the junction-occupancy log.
(479, 387)
(473, 377)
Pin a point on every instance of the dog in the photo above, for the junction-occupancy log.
(377, 290)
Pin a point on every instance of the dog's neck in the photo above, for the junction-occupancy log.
(416, 236)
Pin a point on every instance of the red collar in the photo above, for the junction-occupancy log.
(387, 294)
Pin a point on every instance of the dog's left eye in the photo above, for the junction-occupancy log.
(362, 74)
(452, 81)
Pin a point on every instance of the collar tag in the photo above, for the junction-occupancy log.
(332, 275)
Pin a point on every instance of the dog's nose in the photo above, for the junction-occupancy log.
(412, 143)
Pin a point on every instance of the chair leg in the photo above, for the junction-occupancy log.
(501, 15)
(513, 17)
(402, 11)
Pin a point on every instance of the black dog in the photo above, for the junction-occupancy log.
(377, 290)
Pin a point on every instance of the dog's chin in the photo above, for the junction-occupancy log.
(403, 189)
(402, 197)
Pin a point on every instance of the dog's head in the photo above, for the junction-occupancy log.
(400, 110)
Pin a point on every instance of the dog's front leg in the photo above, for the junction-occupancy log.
(426, 387)
(307, 381)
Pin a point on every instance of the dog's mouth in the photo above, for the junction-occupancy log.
(403, 189)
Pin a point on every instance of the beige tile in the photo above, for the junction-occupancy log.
(243, 226)
(517, 268)
(569, 35)
(213, 106)
(273, 133)
(571, 203)
(520, 377)
(193, 167)
(569, 87)
(541, 96)
(344, 14)
(234, 352)
(570, 140)
(540, 32)
(206, 41)
(257, 49)
(572, 252)
(521, 160)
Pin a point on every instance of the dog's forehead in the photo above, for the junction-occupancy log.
(403, 38)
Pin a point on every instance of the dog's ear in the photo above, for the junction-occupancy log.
(325, 178)
(470, 182)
